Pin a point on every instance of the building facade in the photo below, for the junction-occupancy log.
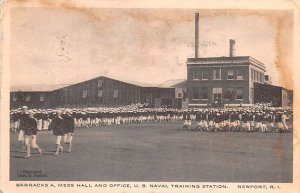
(100, 91)
(275, 95)
(171, 93)
(223, 80)
(32, 99)
(33, 96)
(229, 81)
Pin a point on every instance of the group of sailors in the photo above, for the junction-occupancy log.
(102, 116)
(240, 119)
(62, 121)
(27, 126)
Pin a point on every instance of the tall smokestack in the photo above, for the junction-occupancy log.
(232, 48)
(196, 35)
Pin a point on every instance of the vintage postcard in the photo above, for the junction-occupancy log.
(115, 96)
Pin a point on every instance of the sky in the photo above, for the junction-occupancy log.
(66, 46)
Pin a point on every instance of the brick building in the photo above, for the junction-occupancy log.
(223, 80)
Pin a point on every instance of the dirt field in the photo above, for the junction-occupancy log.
(158, 152)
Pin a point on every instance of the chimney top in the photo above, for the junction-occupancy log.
(232, 48)
(196, 35)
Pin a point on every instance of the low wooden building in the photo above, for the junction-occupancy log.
(276, 95)
(100, 91)
(33, 96)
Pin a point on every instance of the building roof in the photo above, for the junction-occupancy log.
(137, 83)
(225, 60)
(174, 83)
(270, 86)
(36, 87)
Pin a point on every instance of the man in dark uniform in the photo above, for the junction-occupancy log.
(14, 116)
(205, 118)
(269, 118)
(45, 118)
(199, 123)
(23, 116)
(31, 134)
(217, 120)
(246, 120)
(258, 121)
(186, 119)
(264, 121)
(69, 130)
(38, 116)
(58, 128)
(252, 120)
(279, 125)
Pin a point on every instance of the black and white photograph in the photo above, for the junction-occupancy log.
(167, 98)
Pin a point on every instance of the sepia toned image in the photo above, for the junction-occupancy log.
(165, 98)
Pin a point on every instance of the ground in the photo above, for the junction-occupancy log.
(158, 152)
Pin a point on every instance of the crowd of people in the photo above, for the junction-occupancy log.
(27, 123)
(62, 121)
(254, 119)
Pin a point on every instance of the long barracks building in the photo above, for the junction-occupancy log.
(99, 91)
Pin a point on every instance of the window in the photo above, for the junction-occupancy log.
(217, 95)
(252, 74)
(261, 77)
(196, 74)
(14, 98)
(116, 94)
(239, 93)
(100, 83)
(178, 93)
(240, 74)
(217, 74)
(217, 90)
(42, 97)
(196, 93)
(230, 75)
(84, 94)
(252, 94)
(204, 74)
(100, 93)
(28, 97)
(204, 91)
(229, 94)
